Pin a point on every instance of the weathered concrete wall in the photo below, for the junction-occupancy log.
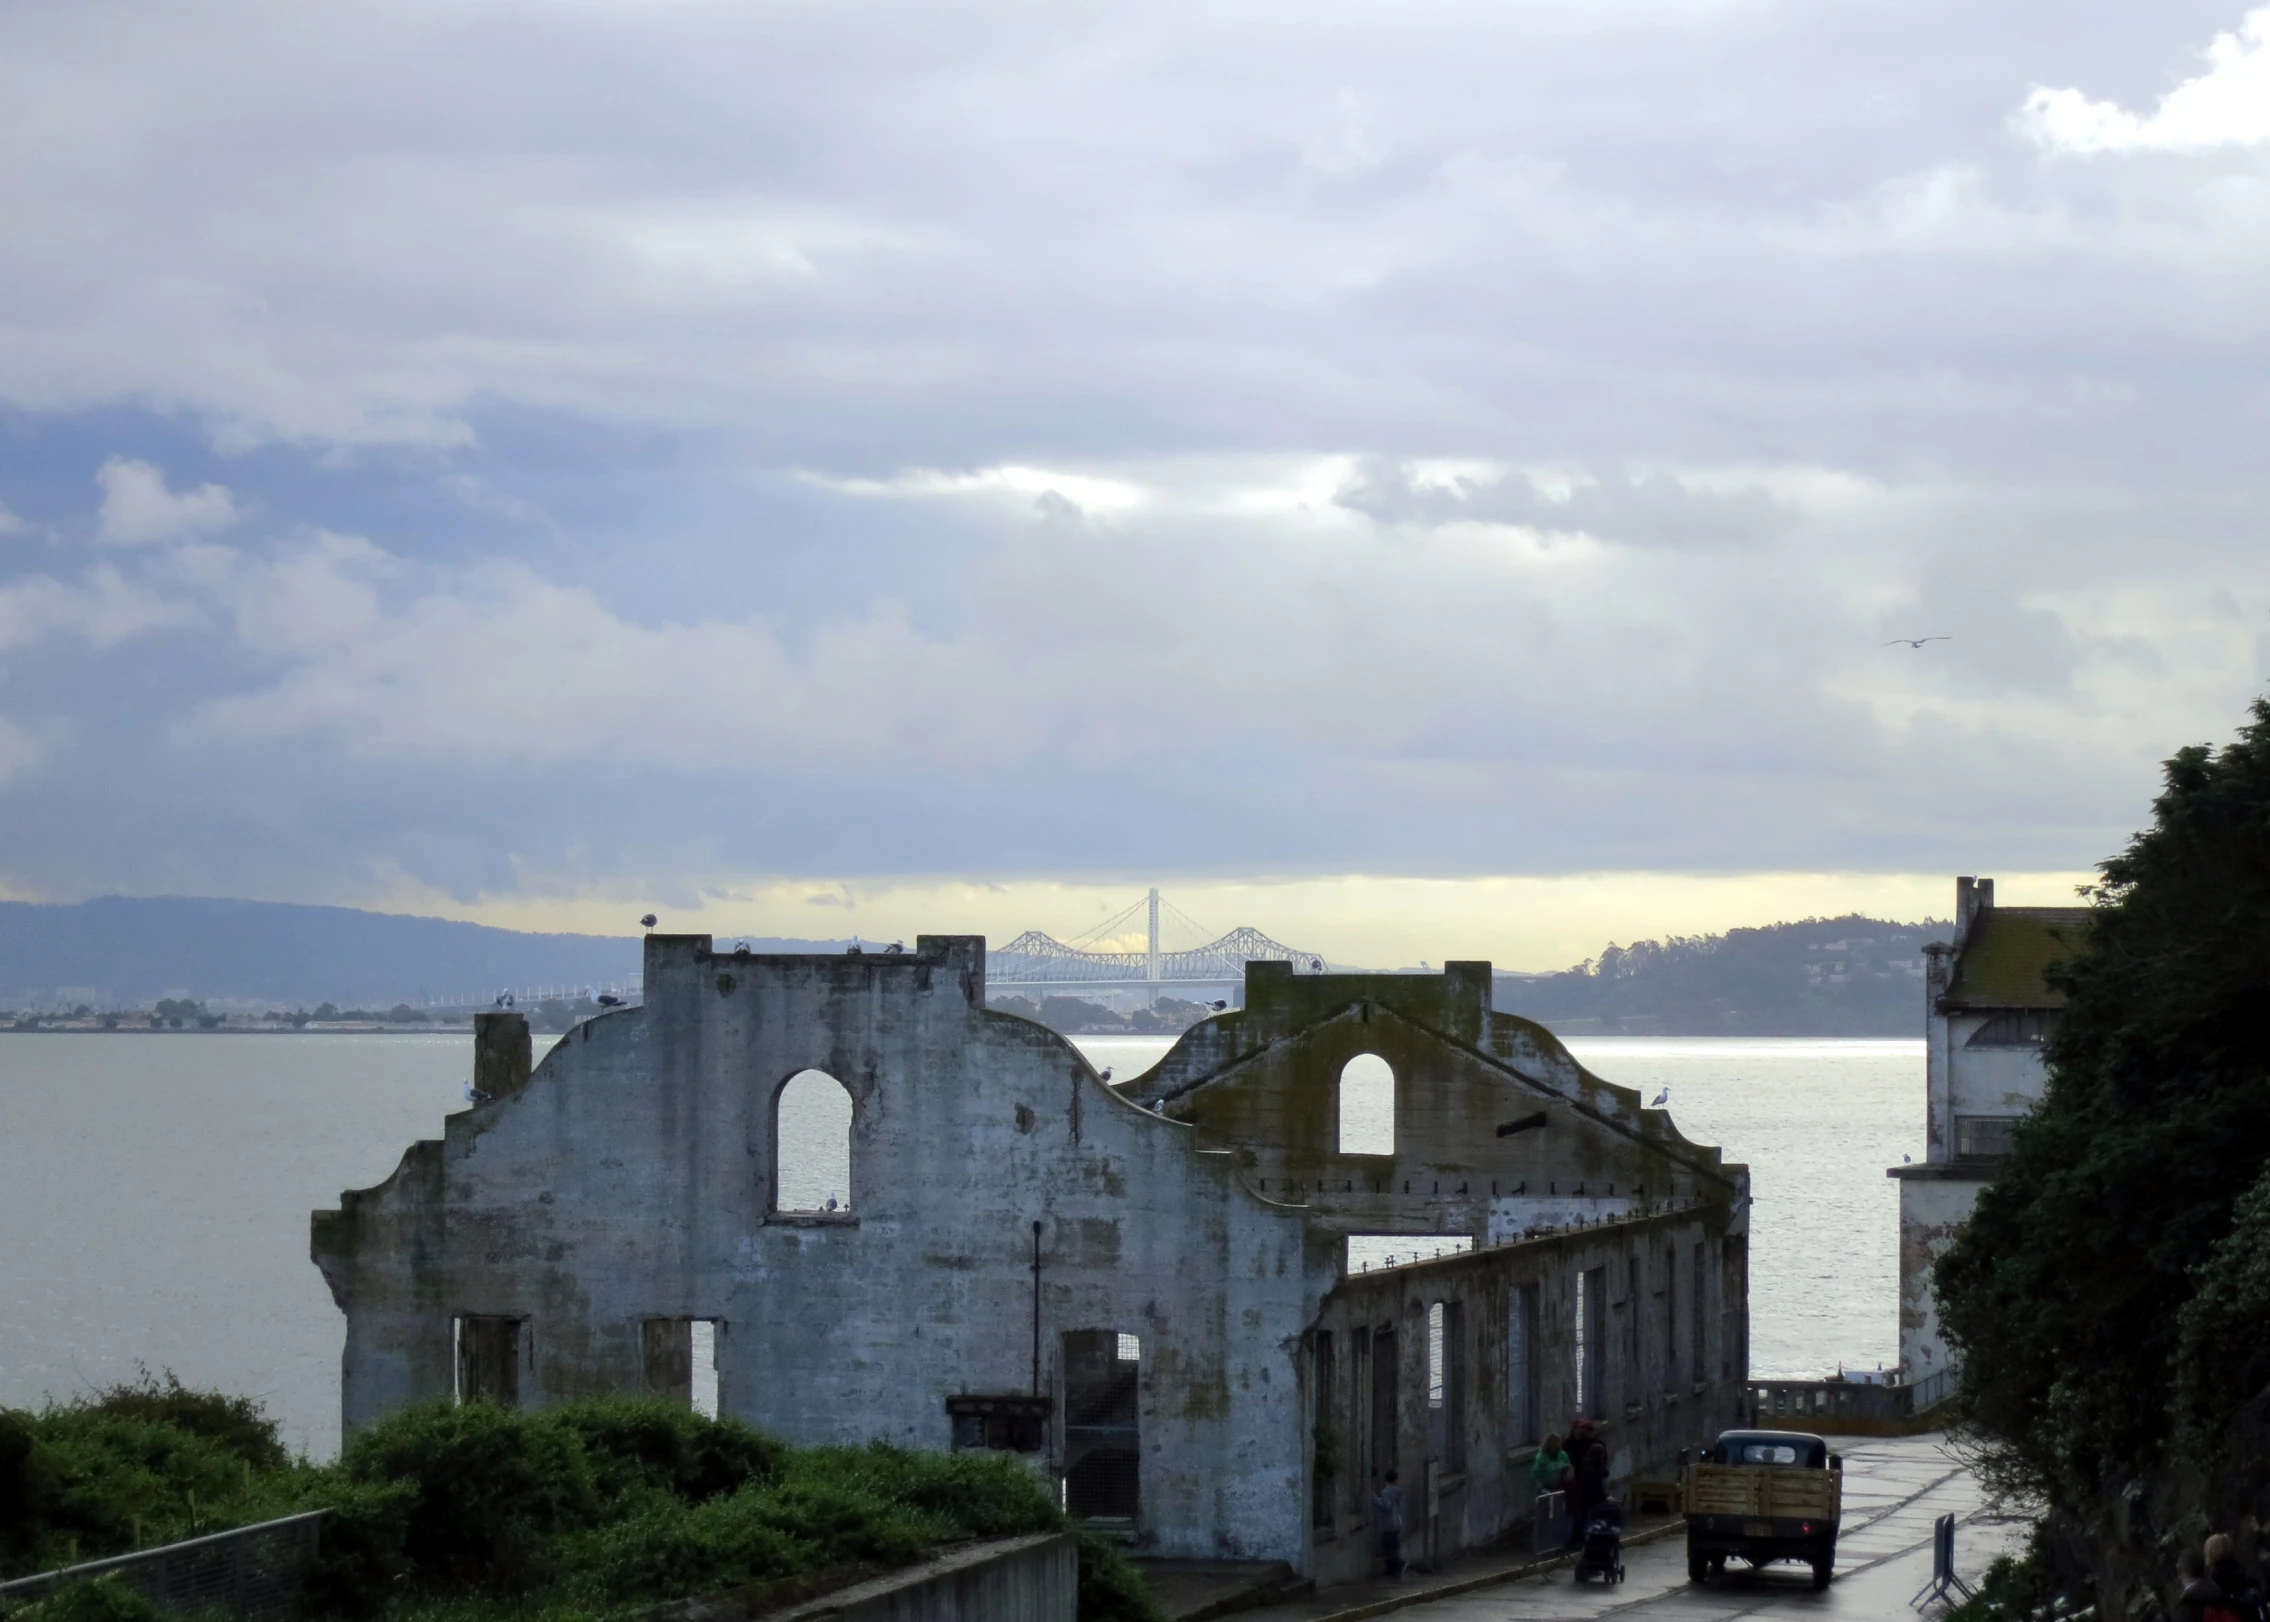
(1990, 1080)
(1263, 1085)
(633, 1180)
(1935, 1201)
(1656, 1399)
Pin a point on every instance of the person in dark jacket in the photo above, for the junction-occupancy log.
(2239, 1585)
(1590, 1490)
(2201, 1595)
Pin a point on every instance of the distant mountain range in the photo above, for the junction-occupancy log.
(1850, 976)
(127, 952)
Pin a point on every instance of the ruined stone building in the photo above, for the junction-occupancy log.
(1143, 1291)
(1988, 1006)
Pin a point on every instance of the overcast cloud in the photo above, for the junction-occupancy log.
(506, 450)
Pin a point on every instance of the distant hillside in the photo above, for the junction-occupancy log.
(1848, 976)
(127, 952)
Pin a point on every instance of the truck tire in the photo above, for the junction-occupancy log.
(1698, 1566)
(1824, 1566)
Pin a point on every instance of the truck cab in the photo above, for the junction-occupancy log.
(1762, 1496)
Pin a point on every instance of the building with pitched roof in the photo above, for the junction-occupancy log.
(1989, 1006)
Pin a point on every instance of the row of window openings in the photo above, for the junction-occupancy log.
(677, 1356)
(1447, 1352)
(679, 1359)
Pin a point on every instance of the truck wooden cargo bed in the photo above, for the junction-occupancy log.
(1764, 1493)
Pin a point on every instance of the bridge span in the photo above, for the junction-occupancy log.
(1039, 963)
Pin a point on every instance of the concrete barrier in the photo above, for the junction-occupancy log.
(1024, 1579)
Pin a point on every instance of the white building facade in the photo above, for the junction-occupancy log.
(1988, 1007)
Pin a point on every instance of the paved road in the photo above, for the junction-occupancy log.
(1893, 1490)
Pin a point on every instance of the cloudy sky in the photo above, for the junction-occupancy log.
(1426, 479)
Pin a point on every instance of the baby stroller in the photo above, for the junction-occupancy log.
(1600, 1553)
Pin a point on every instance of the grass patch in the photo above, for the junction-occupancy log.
(477, 1513)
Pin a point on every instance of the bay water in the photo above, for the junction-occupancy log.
(155, 1191)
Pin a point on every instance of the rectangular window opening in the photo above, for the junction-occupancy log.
(1631, 1326)
(1386, 1405)
(707, 1332)
(1670, 1319)
(488, 1358)
(1003, 1424)
(1698, 1351)
(1130, 1348)
(1591, 1291)
(1102, 1426)
(1435, 1371)
(1454, 1383)
(1984, 1137)
(1325, 1440)
(679, 1356)
(1521, 1364)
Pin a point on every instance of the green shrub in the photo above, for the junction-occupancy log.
(667, 1551)
(1111, 1589)
(478, 1513)
(236, 1424)
(492, 1486)
(649, 1443)
(106, 1599)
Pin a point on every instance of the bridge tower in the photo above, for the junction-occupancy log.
(1151, 958)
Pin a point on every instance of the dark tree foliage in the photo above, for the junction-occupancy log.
(2104, 1242)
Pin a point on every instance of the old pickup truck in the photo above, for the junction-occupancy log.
(1762, 1496)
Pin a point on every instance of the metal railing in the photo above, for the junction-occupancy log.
(1549, 1521)
(254, 1573)
(1772, 1400)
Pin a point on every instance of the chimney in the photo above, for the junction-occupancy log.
(502, 1053)
(1966, 903)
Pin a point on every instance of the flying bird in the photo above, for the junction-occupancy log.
(1915, 641)
(1662, 1098)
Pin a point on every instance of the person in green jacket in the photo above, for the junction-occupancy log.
(1551, 1469)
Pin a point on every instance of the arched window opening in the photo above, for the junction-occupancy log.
(1367, 1106)
(812, 1144)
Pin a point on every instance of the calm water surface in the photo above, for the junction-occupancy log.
(154, 1193)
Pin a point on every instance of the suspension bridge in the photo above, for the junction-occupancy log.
(1035, 962)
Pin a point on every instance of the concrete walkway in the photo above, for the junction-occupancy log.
(1894, 1488)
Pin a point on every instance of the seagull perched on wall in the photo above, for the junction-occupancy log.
(647, 922)
(1915, 641)
(1662, 1098)
(504, 999)
(894, 948)
(607, 999)
(1217, 1005)
(474, 1095)
(1104, 1074)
